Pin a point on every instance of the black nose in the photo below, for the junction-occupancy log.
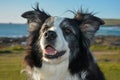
(50, 35)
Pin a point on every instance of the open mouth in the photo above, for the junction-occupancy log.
(51, 53)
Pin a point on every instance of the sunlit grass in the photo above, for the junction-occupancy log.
(10, 67)
(12, 49)
(109, 63)
(111, 70)
(105, 48)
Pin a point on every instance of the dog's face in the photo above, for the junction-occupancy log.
(60, 38)
(52, 42)
(56, 38)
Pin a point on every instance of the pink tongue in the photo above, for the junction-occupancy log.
(50, 50)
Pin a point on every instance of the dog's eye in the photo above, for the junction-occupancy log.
(45, 27)
(67, 30)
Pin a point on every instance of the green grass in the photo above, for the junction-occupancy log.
(10, 67)
(11, 49)
(111, 70)
(109, 64)
(112, 21)
(105, 48)
(12, 63)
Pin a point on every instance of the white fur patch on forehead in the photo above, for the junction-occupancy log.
(61, 43)
(58, 20)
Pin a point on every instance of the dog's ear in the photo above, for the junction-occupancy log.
(89, 24)
(35, 18)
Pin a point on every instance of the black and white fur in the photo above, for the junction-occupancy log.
(69, 39)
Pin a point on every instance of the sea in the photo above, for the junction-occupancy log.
(21, 30)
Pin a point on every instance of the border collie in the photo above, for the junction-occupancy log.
(58, 47)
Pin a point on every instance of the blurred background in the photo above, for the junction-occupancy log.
(14, 31)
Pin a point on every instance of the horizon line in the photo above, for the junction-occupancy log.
(26, 21)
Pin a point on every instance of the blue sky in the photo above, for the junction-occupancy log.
(10, 10)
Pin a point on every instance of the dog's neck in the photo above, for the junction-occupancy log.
(52, 71)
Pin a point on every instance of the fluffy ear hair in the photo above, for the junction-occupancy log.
(35, 18)
(89, 24)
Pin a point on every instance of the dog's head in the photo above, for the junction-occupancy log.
(58, 38)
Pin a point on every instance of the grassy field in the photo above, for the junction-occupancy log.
(11, 63)
(112, 21)
(10, 66)
(110, 64)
